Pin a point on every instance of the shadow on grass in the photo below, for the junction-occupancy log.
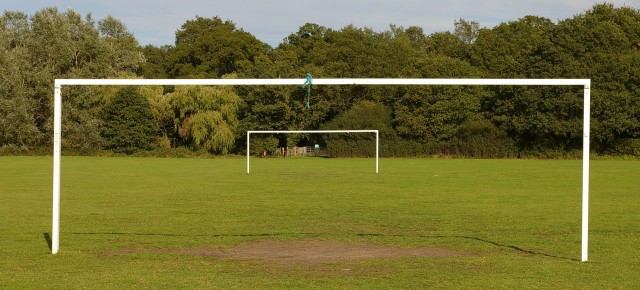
(202, 235)
(519, 249)
(497, 244)
(47, 238)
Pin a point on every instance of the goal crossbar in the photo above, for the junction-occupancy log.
(347, 81)
(57, 120)
(310, 132)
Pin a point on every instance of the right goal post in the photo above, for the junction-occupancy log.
(309, 132)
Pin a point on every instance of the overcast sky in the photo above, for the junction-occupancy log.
(156, 21)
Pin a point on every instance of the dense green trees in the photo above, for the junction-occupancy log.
(52, 44)
(602, 44)
(364, 115)
(211, 48)
(536, 118)
(128, 122)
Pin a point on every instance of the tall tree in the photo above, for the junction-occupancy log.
(122, 49)
(602, 44)
(211, 48)
(364, 115)
(129, 125)
(155, 66)
(18, 124)
(53, 44)
(538, 118)
(467, 31)
(512, 50)
(206, 117)
(434, 113)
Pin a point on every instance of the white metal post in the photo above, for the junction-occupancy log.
(248, 134)
(377, 148)
(57, 129)
(585, 170)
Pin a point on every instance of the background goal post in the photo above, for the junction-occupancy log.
(57, 119)
(309, 132)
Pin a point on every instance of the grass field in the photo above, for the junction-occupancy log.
(130, 223)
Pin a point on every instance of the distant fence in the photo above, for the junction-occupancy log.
(300, 151)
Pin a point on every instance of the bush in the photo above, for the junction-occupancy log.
(178, 152)
(129, 125)
(12, 149)
(365, 115)
(482, 139)
(264, 143)
(625, 146)
(164, 142)
(348, 147)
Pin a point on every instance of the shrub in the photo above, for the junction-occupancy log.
(129, 125)
(264, 143)
(482, 139)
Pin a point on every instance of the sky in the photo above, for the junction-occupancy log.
(156, 21)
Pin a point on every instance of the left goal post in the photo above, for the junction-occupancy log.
(310, 132)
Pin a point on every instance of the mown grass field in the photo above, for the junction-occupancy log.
(126, 222)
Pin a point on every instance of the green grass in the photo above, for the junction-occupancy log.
(124, 221)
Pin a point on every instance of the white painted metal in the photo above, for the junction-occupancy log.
(248, 150)
(586, 83)
(585, 170)
(57, 129)
(308, 132)
(254, 82)
(377, 149)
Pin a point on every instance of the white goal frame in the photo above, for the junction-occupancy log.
(57, 119)
(310, 132)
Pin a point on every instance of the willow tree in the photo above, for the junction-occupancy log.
(206, 117)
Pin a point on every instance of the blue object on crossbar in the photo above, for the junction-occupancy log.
(308, 83)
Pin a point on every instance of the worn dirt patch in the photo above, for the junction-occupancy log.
(316, 251)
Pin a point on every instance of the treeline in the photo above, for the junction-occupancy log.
(602, 44)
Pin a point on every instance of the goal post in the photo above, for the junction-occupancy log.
(310, 132)
(57, 119)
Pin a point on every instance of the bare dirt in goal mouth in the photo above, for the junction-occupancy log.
(316, 252)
